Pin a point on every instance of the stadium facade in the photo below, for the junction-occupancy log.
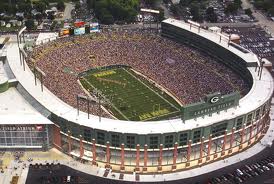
(219, 127)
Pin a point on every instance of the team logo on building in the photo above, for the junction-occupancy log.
(214, 99)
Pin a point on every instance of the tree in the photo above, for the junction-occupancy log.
(161, 14)
(271, 11)
(211, 16)
(90, 4)
(237, 3)
(259, 4)
(267, 4)
(40, 6)
(77, 6)
(150, 2)
(29, 23)
(248, 12)
(185, 2)
(230, 8)
(24, 7)
(116, 10)
(106, 17)
(60, 5)
(195, 12)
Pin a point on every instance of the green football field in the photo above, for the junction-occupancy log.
(129, 96)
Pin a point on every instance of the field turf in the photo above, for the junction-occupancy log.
(129, 96)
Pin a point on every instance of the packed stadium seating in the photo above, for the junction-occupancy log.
(187, 73)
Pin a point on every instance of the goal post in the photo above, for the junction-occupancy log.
(156, 107)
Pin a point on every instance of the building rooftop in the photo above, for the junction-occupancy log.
(14, 109)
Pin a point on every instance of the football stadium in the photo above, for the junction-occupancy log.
(135, 100)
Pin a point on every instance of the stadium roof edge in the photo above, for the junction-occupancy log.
(261, 92)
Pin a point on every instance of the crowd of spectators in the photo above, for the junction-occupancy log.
(186, 73)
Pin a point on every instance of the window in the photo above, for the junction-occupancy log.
(257, 114)
(249, 119)
(130, 141)
(218, 130)
(100, 138)
(183, 139)
(87, 135)
(153, 142)
(239, 123)
(196, 136)
(115, 140)
(168, 141)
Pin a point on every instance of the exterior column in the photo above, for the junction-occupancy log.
(242, 136)
(122, 157)
(250, 133)
(93, 152)
(224, 143)
(69, 143)
(145, 158)
(231, 140)
(57, 140)
(81, 147)
(201, 150)
(263, 124)
(108, 156)
(160, 158)
(188, 152)
(137, 157)
(175, 154)
(258, 127)
(209, 147)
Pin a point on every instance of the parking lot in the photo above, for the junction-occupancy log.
(254, 39)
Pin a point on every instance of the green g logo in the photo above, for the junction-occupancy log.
(214, 99)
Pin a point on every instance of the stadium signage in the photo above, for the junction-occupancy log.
(17, 128)
(211, 104)
(214, 99)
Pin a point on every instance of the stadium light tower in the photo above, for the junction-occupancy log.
(19, 35)
(41, 76)
(100, 96)
(85, 99)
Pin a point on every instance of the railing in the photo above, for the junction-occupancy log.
(166, 159)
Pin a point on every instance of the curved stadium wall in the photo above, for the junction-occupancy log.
(181, 149)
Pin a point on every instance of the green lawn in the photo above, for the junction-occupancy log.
(130, 96)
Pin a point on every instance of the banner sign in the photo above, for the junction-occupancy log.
(79, 24)
(211, 104)
(79, 31)
(94, 27)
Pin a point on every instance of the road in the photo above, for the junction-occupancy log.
(263, 21)
(167, 13)
(67, 12)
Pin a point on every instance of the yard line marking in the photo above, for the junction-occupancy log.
(151, 89)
